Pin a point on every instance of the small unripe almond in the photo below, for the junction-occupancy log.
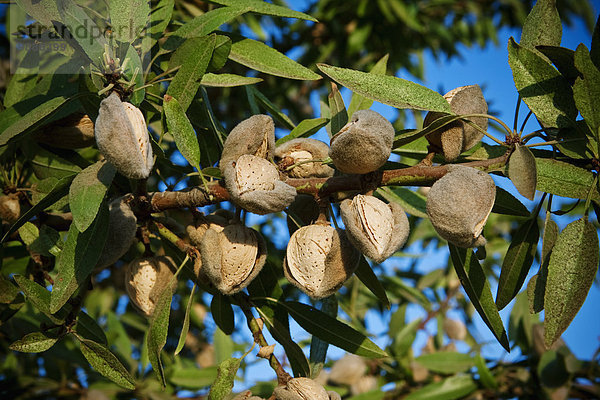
(10, 208)
(232, 258)
(456, 330)
(319, 259)
(364, 384)
(122, 226)
(146, 278)
(459, 204)
(458, 136)
(302, 151)
(122, 137)
(375, 228)
(364, 144)
(73, 132)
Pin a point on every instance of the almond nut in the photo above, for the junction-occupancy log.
(459, 204)
(73, 132)
(302, 151)
(301, 389)
(375, 228)
(122, 137)
(122, 226)
(10, 208)
(146, 278)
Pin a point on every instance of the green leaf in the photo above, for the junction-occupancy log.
(181, 128)
(58, 191)
(517, 261)
(47, 164)
(106, 363)
(595, 46)
(193, 378)
(24, 80)
(333, 331)
(446, 362)
(119, 338)
(34, 343)
(318, 347)
(38, 295)
(485, 375)
(542, 26)
(80, 31)
(455, 387)
(88, 328)
(546, 92)
(305, 128)
(563, 59)
(386, 89)
(359, 102)
(223, 384)
(45, 11)
(262, 7)
(16, 125)
(202, 25)
(78, 258)
(366, 275)
(262, 58)
(339, 115)
(159, 327)
(128, 18)
(29, 233)
(563, 179)
(8, 291)
(227, 80)
(134, 63)
(522, 171)
(87, 193)
(275, 111)
(586, 89)
(411, 201)
(186, 322)
(536, 287)
(193, 58)
(222, 313)
(220, 57)
(477, 287)
(506, 203)
(571, 271)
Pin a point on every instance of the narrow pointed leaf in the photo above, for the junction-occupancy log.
(157, 332)
(318, 347)
(365, 274)
(223, 384)
(222, 313)
(35, 342)
(78, 258)
(586, 89)
(517, 261)
(339, 115)
(262, 58)
(386, 89)
(58, 191)
(537, 285)
(411, 201)
(181, 128)
(506, 203)
(128, 18)
(193, 58)
(485, 375)
(228, 80)
(546, 92)
(193, 378)
(186, 322)
(478, 289)
(359, 102)
(88, 328)
(542, 26)
(446, 362)
(106, 363)
(571, 272)
(333, 331)
(87, 193)
(563, 179)
(305, 128)
(522, 171)
(263, 7)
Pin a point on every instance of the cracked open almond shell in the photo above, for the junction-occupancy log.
(362, 145)
(458, 136)
(304, 389)
(232, 257)
(459, 204)
(302, 151)
(375, 228)
(319, 259)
